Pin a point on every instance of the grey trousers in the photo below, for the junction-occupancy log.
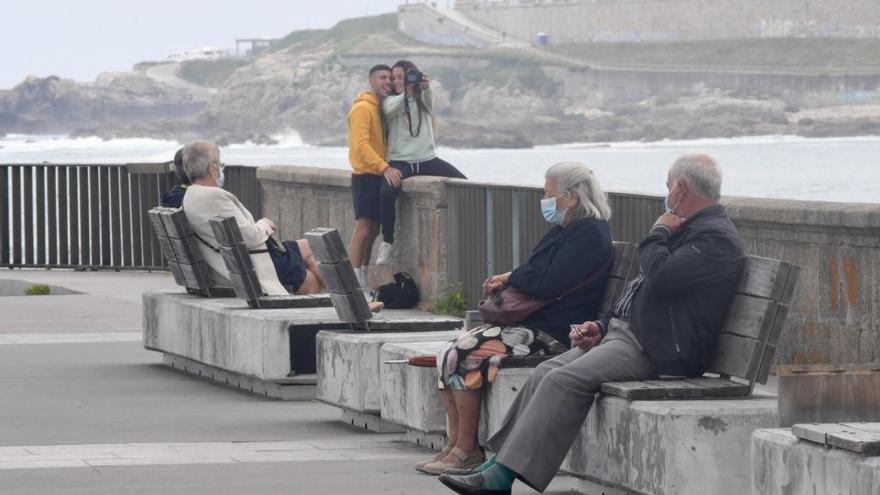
(545, 417)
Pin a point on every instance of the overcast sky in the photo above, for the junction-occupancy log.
(82, 38)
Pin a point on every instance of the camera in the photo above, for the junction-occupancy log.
(413, 76)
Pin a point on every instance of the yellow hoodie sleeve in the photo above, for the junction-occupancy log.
(360, 128)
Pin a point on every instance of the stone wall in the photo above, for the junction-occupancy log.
(422, 23)
(299, 199)
(669, 20)
(835, 315)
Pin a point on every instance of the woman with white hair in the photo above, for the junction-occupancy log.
(292, 266)
(568, 269)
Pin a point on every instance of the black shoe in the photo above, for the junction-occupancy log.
(469, 485)
(459, 472)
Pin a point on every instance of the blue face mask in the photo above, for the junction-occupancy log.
(670, 209)
(551, 214)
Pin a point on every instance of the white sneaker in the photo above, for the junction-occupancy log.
(384, 253)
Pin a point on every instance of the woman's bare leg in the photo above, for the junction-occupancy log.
(451, 417)
(467, 402)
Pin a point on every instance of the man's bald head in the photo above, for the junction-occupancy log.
(701, 173)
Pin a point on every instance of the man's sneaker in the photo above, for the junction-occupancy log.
(384, 253)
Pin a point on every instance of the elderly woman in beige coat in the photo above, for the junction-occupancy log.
(206, 198)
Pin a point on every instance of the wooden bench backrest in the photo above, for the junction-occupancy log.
(747, 342)
(238, 260)
(623, 269)
(179, 245)
(339, 277)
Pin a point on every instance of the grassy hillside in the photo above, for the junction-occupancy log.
(211, 73)
(345, 35)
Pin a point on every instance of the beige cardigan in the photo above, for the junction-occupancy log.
(200, 204)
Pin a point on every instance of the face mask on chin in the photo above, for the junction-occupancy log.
(551, 214)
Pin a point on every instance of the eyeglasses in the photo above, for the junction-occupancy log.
(557, 196)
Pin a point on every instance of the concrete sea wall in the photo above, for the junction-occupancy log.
(673, 20)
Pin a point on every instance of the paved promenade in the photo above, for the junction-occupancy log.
(86, 410)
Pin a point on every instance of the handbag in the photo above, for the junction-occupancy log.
(511, 306)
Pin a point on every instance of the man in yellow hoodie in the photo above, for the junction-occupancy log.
(366, 153)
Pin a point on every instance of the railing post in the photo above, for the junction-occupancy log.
(5, 197)
(490, 233)
(515, 219)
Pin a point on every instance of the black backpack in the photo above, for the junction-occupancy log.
(400, 294)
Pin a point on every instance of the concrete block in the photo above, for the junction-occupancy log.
(348, 366)
(782, 464)
(409, 393)
(675, 447)
(671, 447)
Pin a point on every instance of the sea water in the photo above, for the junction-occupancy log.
(843, 169)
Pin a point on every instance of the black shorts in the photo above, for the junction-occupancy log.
(365, 190)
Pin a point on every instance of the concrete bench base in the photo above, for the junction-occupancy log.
(679, 447)
(297, 388)
(255, 347)
(349, 366)
(409, 393)
(782, 464)
(369, 422)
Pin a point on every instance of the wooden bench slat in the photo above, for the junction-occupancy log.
(326, 244)
(246, 287)
(156, 221)
(176, 272)
(237, 259)
(196, 275)
(794, 275)
(291, 302)
(167, 248)
(634, 390)
(613, 290)
(409, 325)
(764, 277)
(720, 387)
(678, 388)
(624, 257)
(352, 307)
(750, 317)
(339, 278)
(524, 361)
(737, 356)
(847, 436)
(175, 223)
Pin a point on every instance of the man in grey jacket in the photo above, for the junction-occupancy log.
(666, 323)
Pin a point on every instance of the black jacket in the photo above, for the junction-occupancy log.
(690, 279)
(564, 258)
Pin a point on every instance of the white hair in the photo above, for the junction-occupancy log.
(575, 177)
(197, 157)
(701, 173)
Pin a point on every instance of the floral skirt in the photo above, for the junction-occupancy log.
(471, 360)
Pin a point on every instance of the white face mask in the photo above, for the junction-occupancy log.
(220, 178)
(671, 209)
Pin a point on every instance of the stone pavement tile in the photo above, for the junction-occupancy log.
(388, 477)
(42, 464)
(161, 461)
(75, 450)
(74, 338)
(69, 314)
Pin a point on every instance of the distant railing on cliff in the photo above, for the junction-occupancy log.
(92, 216)
(492, 228)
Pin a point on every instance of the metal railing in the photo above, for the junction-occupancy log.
(91, 216)
(493, 228)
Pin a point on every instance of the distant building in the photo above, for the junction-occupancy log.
(204, 53)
